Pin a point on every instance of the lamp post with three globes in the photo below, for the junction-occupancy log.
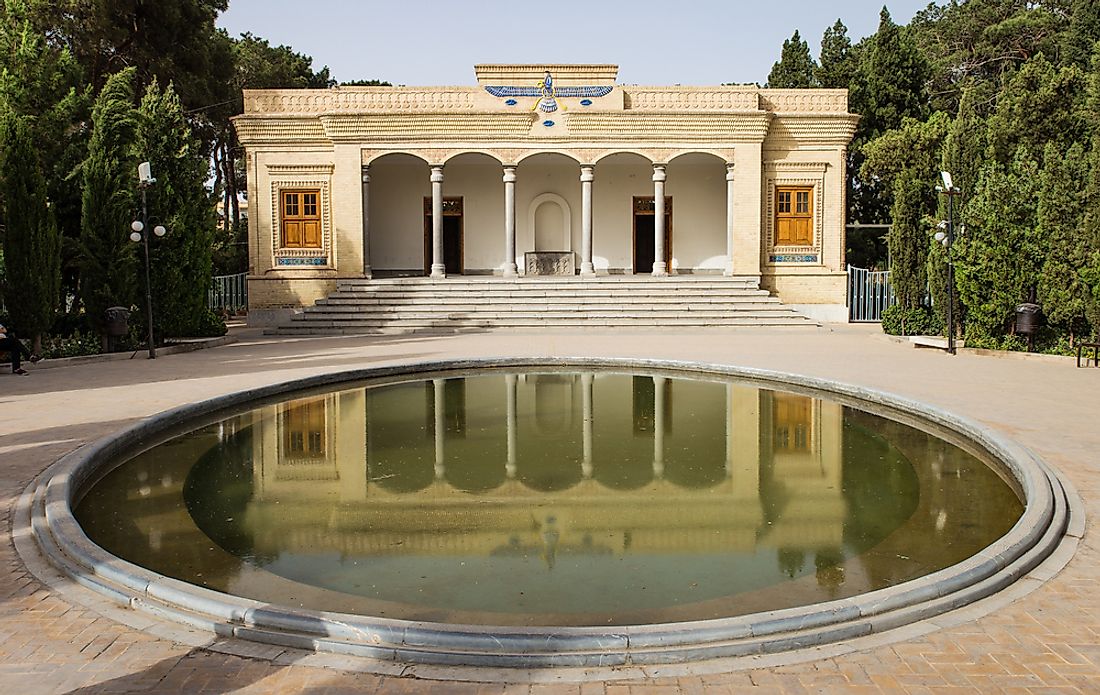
(138, 233)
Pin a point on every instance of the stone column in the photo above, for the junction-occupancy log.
(510, 392)
(658, 426)
(586, 399)
(660, 268)
(366, 222)
(438, 385)
(587, 177)
(439, 270)
(730, 217)
(510, 270)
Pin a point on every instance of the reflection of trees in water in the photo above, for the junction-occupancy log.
(791, 562)
(829, 566)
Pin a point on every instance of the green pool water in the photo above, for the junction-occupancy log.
(550, 499)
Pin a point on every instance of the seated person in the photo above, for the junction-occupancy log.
(18, 352)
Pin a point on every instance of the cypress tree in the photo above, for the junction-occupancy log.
(181, 260)
(108, 264)
(32, 245)
(837, 68)
(1001, 255)
(888, 88)
(796, 68)
(1061, 288)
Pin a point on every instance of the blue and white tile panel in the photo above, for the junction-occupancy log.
(297, 261)
(793, 258)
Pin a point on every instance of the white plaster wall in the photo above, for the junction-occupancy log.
(478, 180)
(619, 178)
(697, 184)
(398, 184)
(544, 173)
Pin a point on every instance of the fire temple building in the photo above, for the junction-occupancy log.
(546, 170)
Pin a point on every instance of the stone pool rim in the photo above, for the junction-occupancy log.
(1032, 539)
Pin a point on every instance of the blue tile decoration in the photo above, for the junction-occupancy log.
(310, 261)
(793, 258)
(560, 92)
(548, 124)
(548, 94)
(511, 102)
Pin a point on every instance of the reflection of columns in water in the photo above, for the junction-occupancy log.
(440, 425)
(729, 430)
(659, 426)
(586, 398)
(510, 389)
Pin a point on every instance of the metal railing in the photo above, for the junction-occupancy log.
(228, 293)
(869, 294)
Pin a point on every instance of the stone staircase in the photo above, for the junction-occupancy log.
(405, 305)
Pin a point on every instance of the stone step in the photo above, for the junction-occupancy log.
(578, 302)
(404, 305)
(554, 308)
(557, 319)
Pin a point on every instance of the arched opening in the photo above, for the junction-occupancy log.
(474, 179)
(620, 179)
(398, 184)
(697, 181)
(548, 191)
(551, 223)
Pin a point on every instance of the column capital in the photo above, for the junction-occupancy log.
(588, 173)
(729, 171)
(437, 174)
(365, 170)
(509, 174)
(659, 175)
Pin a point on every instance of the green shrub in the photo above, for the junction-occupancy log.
(210, 325)
(78, 344)
(919, 321)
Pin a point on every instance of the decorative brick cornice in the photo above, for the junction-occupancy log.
(691, 98)
(802, 129)
(670, 127)
(427, 127)
(785, 101)
(258, 131)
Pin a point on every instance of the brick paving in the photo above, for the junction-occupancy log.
(1045, 641)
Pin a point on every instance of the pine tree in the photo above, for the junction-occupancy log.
(796, 68)
(108, 262)
(837, 67)
(181, 260)
(32, 246)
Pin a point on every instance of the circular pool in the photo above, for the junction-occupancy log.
(550, 513)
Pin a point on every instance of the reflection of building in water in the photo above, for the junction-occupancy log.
(558, 464)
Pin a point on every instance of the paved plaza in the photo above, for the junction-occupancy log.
(1041, 636)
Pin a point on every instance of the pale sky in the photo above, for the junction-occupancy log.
(654, 42)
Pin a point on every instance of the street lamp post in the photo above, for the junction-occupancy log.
(948, 240)
(145, 180)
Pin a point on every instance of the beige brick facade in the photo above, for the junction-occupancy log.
(371, 152)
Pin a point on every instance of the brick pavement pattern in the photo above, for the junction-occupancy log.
(1046, 641)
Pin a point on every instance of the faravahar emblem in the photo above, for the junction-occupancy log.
(546, 95)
